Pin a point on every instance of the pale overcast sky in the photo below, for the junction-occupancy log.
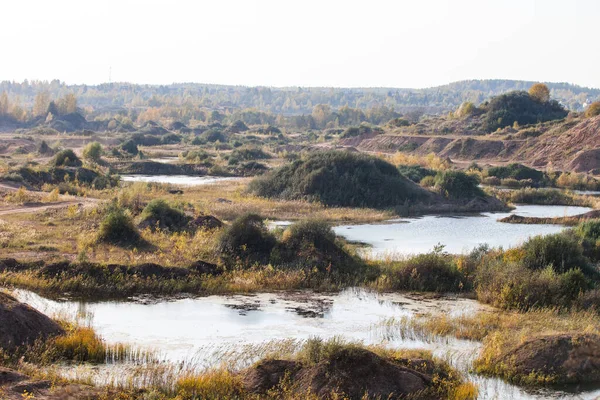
(416, 43)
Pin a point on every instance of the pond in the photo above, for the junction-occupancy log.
(458, 233)
(238, 329)
(184, 180)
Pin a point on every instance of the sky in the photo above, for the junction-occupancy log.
(374, 43)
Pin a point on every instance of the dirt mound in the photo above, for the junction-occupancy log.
(267, 374)
(586, 161)
(205, 222)
(351, 372)
(22, 325)
(568, 358)
(573, 149)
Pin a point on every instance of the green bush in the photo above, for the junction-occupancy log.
(250, 153)
(159, 215)
(520, 107)
(246, 242)
(431, 272)
(130, 147)
(518, 172)
(66, 158)
(117, 228)
(457, 185)
(313, 244)
(214, 135)
(92, 151)
(511, 285)
(561, 251)
(339, 178)
(415, 173)
(589, 235)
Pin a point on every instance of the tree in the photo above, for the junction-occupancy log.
(540, 92)
(4, 104)
(68, 104)
(93, 151)
(40, 104)
(52, 108)
(593, 109)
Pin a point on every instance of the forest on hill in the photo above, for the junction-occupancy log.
(285, 101)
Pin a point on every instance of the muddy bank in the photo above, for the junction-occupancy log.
(21, 325)
(569, 221)
(158, 168)
(17, 386)
(111, 281)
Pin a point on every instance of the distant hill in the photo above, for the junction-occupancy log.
(290, 100)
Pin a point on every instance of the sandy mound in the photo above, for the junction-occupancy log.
(352, 372)
(569, 358)
(22, 325)
(585, 161)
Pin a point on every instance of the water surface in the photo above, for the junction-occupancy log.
(184, 180)
(235, 329)
(459, 233)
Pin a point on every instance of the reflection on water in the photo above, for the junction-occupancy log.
(179, 328)
(458, 233)
(185, 180)
(240, 329)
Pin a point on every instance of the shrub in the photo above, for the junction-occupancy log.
(66, 158)
(214, 135)
(399, 122)
(117, 228)
(518, 172)
(92, 151)
(237, 127)
(130, 147)
(313, 244)
(589, 235)
(520, 107)
(467, 108)
(434, 272)
(540, 92)
(171, 138)
(250, 153)
(158, 214)
(561, 251)
(246, 242)
(44, 148)
(457, 185)
(338, 178)
(593, 110)
(415, 173)
(511, 285)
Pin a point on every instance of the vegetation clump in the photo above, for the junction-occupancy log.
(457, 185)
(518, 172)
(246, 242)
(92, 151)
(117, 228)
(520, 107)
(66, 158)
(313, 244)
(159, 215)
(415, 173)
(593, 109)
(338, 178)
